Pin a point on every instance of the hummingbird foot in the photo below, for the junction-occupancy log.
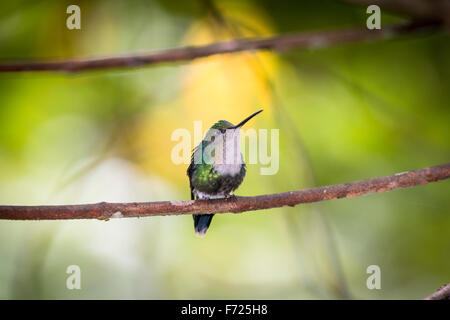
(230, 196)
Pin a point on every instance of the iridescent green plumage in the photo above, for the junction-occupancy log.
(211, 176)
(222, 125)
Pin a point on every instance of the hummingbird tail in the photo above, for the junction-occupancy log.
(201, 223)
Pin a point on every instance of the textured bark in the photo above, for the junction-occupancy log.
(105, 210)
(442, 294)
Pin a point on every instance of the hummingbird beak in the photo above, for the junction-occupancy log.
(240, 124)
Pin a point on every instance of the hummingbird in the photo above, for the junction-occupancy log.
(217, 167)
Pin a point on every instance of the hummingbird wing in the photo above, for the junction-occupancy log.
(201, 221)
(190, 172)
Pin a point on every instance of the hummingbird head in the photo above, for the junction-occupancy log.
(223, 136)
(225, 128)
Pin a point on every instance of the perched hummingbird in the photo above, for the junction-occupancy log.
(217, 167)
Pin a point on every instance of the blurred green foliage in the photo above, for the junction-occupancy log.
(345, 113)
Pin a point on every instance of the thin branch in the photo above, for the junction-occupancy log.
(312, 40)
(442, 294)
(105, 210)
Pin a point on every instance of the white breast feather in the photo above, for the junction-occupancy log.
(233, 158)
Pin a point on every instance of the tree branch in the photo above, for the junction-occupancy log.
(442, 294)
(310, 40)
(105, 210)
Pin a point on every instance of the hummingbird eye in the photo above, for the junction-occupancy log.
(222, 130)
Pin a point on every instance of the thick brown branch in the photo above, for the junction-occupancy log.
(278, 43)
(236, 204)
(442, 294)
